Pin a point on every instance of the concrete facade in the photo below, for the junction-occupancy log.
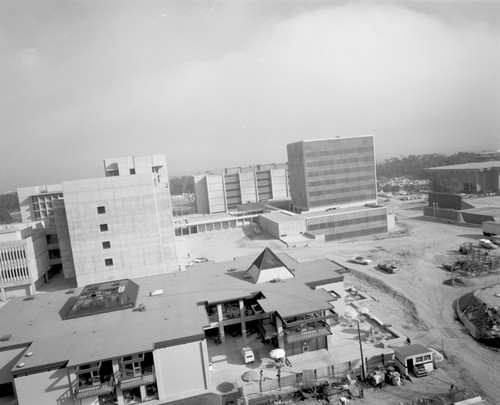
(121, 226)
(223, 192)
(24, 260)
(332, 173)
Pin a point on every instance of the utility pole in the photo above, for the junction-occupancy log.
(363, 377)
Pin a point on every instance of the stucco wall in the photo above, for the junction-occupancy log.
(181, 370)
(44, 388)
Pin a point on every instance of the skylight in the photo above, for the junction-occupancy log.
(104, 297)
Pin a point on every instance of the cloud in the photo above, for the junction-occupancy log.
(233, 85)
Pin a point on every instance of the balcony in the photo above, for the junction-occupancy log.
(308, 331)
(86, 391)
(132, 381)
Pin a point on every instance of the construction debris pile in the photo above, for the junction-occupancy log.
(484, 318)
(475, 262)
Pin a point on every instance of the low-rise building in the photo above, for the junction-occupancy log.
(113, 340)
(24, 260)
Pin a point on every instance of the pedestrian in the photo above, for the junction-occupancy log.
(261, 375)
(361, 393)
(407, 341)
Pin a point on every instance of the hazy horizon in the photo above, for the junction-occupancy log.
(225, 84)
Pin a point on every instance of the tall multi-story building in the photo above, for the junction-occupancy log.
(332, 173)
(224, 192)
(119, 226)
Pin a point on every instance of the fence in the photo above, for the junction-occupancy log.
(253, 392)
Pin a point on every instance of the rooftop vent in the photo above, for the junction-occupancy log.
(4, 338)
(156, 292)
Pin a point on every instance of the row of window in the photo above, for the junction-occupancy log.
(104, 228)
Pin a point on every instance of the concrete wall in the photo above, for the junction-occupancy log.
(25, 195)
(44, 388)
(297, 173)
(279, 181)
(64, 240)
(201, 194)
(181, 370)
(248, 187)
(216, 194)
(138, 216)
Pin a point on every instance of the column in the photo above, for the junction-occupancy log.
(243, 323)
(3, 296)
(221, 323)
(279, 328)
(116, 373)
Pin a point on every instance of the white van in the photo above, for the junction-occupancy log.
(248, 355)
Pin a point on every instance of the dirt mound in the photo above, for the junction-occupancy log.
(406, 306)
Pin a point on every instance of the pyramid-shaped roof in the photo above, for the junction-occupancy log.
(267, 260)
(268, 267)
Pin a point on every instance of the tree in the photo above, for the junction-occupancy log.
(181, 185)
(445, 183)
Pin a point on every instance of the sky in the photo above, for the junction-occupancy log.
(217, 83)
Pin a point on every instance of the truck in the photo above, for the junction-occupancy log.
(491, 228)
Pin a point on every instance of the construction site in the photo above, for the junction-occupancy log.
(419, 301)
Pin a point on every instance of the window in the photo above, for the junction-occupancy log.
(106, 244)
(418, 359)
(104, 227)
(132, 171)
(101, 210)
(427, 357)
(108, 262)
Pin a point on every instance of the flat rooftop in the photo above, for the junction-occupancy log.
(178, 315)
(493, 164)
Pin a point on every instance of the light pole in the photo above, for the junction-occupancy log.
(434, 208)
(363, 376)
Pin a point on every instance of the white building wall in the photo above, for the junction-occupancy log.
(279, 180)
(248, 187)
(216, 193)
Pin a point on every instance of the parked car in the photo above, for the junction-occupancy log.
(247, 354)
(487, 244)
(388, 267)
(495, 240)
(200, 260)
(360, 260)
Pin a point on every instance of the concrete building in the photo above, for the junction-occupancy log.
(37, 204)
(24, 260)
(117, 340)
(476, 178)
(327, 226)
(119, 226)
(223, 192)
(332, 173)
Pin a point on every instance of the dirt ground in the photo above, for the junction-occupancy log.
(417, 300)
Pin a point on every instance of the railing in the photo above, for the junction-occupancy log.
(294, 335)
(127, 382)
(93, 390)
